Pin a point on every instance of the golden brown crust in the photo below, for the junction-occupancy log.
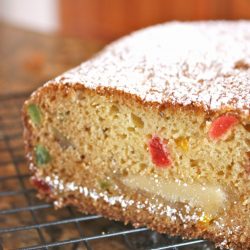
(128, 98)
(202, 64)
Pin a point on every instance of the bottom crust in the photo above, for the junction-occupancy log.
(139, 217)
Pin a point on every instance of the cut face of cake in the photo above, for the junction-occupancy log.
(155, 131)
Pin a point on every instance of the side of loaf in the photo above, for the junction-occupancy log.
(128, 144)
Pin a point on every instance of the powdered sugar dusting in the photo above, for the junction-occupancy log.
(203, 63)
(59, 185)
(125, 202)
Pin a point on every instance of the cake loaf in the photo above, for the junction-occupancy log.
(153, 131)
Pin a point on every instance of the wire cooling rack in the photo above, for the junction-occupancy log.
(28, 223)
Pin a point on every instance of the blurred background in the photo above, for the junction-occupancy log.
(40, 39)
(106, 20)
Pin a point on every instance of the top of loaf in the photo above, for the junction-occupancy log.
(203, 64)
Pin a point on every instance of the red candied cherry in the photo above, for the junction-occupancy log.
(159, 153)
(41, 185)
(221, 125)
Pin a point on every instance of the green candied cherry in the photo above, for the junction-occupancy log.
(35, 114)
(105, 185)
(42, 155)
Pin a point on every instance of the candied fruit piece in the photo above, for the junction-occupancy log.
(159, 153)
(205, 218)
(210, 198)
(221, 125)
(42, 155)
(41, 185)
(105, 185)
(61, 139)
(182, 143)
(34, 113)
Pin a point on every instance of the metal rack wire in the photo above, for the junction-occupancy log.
(28, 223)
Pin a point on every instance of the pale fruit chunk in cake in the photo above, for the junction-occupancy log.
(210, 198)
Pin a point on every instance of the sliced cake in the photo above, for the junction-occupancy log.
(154, 130)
